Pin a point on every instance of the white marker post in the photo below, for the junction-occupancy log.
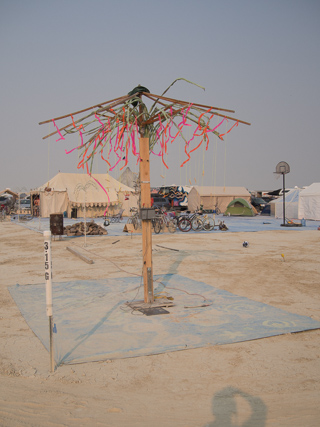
(48, 278)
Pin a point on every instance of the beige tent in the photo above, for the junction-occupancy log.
(68, 192)
(210, 197)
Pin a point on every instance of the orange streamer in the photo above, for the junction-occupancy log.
(223, 134)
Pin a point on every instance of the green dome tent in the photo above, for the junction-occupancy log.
(239, 207)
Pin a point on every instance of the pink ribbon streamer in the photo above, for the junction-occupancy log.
(61, 137)
(68, 152)
(104, 191)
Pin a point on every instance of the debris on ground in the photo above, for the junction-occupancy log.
(78, 229)
(222, 226)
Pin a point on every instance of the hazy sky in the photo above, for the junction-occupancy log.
(260, 58)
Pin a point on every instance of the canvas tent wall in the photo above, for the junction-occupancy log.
(209, 197)
(240, 207)
(291, 205)
(67, 192)
(309, 202)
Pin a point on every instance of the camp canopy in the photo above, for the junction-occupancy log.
(68, 192)
(209, 197)
(309, 202)
(239, 207)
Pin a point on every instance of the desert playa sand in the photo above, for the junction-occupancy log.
(267, 382)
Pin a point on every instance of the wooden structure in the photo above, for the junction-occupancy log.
(128, 114)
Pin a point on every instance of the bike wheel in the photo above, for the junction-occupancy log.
(157, 226)
(197, 224)
(184, 225)
(208, 224)
(175, 221)
(172, 227)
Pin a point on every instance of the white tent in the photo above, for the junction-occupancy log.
(68, 192)
(309, 202)
(291, 205)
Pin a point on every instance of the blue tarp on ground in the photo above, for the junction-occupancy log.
(93, 323)
(234, 224)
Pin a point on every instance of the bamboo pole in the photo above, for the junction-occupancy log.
(155, 99)
(117, 102)
(203, 106)
(82, 111)
(188, 103)
(156, 117)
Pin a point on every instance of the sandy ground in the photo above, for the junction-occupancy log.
(267, 382)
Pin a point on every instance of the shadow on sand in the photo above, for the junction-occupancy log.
(227, 404)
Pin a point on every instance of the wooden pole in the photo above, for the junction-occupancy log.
(51, 343)
(147, 268)
(48, 278)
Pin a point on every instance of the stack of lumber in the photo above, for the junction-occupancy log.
(79, 230)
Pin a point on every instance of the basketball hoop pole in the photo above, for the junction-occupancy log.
(283, 168)
(284, 199)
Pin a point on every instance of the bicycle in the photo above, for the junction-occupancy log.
(184, 224)
(189, 220)
(113, 218)
(208, 223)
(169, 219)
(165, 219)
(216, 210)
(156, 224)
(134, 218)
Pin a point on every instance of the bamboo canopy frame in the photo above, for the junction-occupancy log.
(114, 125)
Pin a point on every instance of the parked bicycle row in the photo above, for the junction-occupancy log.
(186, 221)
